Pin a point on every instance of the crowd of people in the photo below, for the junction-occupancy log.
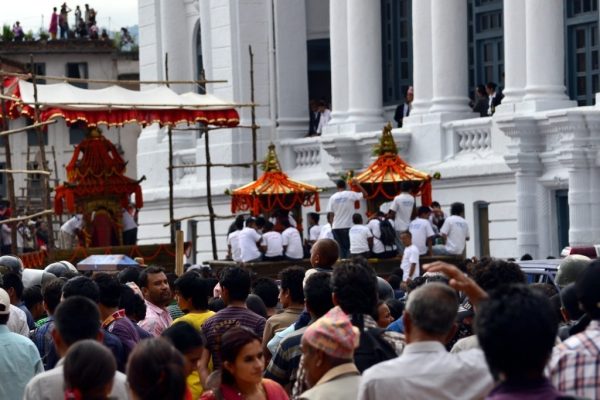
(83, 26)
(320, 115)
(334, 331)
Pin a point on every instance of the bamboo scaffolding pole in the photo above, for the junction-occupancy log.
(242, 165)
(209, 204)
(26, 217)
(56, 180)
(24, 171)
(215, 216)
(128, 82)
(148, 106)
(170, 168)
(10, 178)
(42, 145)
(253, 115)
(26, 128)
(215, 128)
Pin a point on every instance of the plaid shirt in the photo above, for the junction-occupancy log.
(575, 365)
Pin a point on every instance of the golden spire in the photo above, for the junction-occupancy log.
(271, 162)
(386, 144)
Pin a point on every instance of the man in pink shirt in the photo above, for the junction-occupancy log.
(157, 294)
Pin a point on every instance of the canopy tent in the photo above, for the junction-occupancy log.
(116, 106)
(389, 174)
(273, 190)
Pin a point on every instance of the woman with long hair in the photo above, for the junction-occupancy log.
(156, 371)
(242, 372)
(89, 371)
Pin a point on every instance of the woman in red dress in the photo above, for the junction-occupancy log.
(242, 373)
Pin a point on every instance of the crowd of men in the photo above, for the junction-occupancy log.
(334, 331)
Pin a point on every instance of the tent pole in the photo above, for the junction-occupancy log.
(253, 115)
(42, 145)
(209, 203)
(10, 179)
(172, 227)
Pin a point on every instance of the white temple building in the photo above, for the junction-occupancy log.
(529, 175)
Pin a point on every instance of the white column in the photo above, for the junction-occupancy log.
(527, 230)
(545, 55)
(422, 63)
(365, 92)
(594, 221)
(449, 56)
(174, 32)
(338, 43)
(579, 206)
(514, 52)
(291, 66)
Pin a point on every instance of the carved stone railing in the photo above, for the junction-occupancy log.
(184, 157)
(471, 135)
(302, 153)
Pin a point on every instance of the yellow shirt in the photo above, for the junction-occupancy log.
(196, 320)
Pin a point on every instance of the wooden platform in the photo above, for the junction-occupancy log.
(383, 267)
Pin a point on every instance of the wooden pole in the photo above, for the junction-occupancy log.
(179, 253)
(56, 180)
(25, 218)
(253, 115)
(25, 128)
(209, 203)
(10, 179)
(170, 136)
(242, 165)
(24, 171)
(200, 216)
(42, 145)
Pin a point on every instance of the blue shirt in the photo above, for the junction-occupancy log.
(19, 362)
(396, 326)
(42, 338)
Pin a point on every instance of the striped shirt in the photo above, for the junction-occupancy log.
(574, 368)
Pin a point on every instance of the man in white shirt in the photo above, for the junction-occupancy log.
(361, 238)
(421, 231)
(455, 232)
(130, 228)
(292, 242)
(425, 369)
(341, 204)
(314, 229)
(233, 243)
(67, 237)
(402, 210)
(326, 232)
(410, 258)
(249, 240)
(271, 244)
(380, 250)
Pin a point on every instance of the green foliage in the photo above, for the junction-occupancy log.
(29, 36)
(7, 34)
(43, 35)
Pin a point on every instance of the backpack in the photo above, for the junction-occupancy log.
(388, 234)
(372, 348)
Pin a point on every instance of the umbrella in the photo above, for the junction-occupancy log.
(108, 262)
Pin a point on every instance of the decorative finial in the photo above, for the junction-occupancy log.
(271, 162)
(386, 144)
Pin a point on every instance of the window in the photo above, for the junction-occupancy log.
(32, 137)
(78, 70)
(581, 40)
(77, 132)
(38, 69)
(486, 42)
(396, 41)
(319, 69)
(199, 61)
(482, 229)
(562, 218)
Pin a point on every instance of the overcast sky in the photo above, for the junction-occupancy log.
(29, 12)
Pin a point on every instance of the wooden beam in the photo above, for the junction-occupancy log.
(25, 218)
(24, 171)
(26, 128)
(179, 253)
(243, 165)
(200, 216)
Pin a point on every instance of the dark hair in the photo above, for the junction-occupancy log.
(396, 308)
(216, 304)
(81, 286)
(435, 204)
(285, 221)
(568, 300)
(191, 286)
(340, 184)
(32, 296)
(433, 308)
(156, 371)
(317, 292)
(267, 227)
(357, 219)
(232, 343)
(250, 221)
(547, 289)
(491, 274)
(291, 279)
(237, 282)
(89, 367)
(516, 328)
(256, 305)
(236, 225)
(481, 90)
(587, 291)
(407, 233)
(183, 336)
(129, 274)
(133, 304)
(267, 290)
(526, 257)
(110, 289)
(328, 250)
(143, 279)
(314, 216)
(77, 318)
(394, 281)
(491, 85)
(423, 210)
(260, 222)
(12, 280)
(51, 292)
(457, 209)
(355, 286)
